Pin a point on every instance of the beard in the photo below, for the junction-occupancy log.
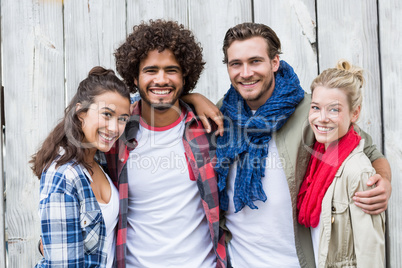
(265, 89)
(161, 104)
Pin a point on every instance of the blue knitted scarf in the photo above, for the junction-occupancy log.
(246, 137)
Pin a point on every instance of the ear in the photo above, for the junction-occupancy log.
(78, 106)
(136, 82)
(355, 114)
(275, 63)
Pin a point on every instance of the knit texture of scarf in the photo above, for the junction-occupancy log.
(320, 173)
(246, 137)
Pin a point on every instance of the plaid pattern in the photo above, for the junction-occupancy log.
(200, 156)
(73, 230)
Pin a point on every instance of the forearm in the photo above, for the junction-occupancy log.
(383, 168)
(190, 98)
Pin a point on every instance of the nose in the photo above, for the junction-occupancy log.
(246, 71)
(324, 115)
(113, 125)
(161, 78)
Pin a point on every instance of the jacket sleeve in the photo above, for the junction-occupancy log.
(370, 149)
(61, 231)
(368, 230)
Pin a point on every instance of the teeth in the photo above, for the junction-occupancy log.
(324, 128)
(106, 137)
(160, 92)
(249, 83)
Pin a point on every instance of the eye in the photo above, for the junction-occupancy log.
(315, 108)
(234, 64)
(107, 114)
(256, 61)
(172, 71)
(123, 119)
(334, 110)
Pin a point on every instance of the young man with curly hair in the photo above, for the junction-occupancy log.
(169, 205)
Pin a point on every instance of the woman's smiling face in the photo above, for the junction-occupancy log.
(330, 115)
(105, 120)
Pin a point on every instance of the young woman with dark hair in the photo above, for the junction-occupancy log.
(79, 204)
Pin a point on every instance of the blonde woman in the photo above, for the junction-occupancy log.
(343, 235)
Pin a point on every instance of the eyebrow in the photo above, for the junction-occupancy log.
(328, 105)
(157, 67)
(251, 58)
(113, 111)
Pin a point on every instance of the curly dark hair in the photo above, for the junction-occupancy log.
(160, 35)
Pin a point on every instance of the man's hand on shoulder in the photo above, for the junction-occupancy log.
(205, 110)
(374, 201)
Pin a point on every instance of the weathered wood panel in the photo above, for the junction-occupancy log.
(43, 73)
(144, 10)
(2, 204)
(390, 14)
(92, 31)
(209, 20)
(2, 207)
(33, 84)
(294, 23)
(348, 29)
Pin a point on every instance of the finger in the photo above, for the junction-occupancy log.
(372, 207)
(205, 123)
(373, 179)
(219, 122)
(379, 199)
(41, 246)
(373, 212)
(371, 193)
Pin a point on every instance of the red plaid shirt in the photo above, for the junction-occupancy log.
(200, 155)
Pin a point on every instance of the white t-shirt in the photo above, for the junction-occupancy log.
(315, 237)
(167, 226)
(263, 237)
(110, 213)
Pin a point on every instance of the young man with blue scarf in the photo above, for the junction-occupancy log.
(264, 152)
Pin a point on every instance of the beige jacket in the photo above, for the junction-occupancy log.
(294, 142)
(348, 236)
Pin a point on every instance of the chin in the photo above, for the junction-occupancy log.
(161, 106)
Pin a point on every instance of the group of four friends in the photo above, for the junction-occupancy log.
(274, 178)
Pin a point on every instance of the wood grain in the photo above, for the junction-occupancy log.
(390, 19)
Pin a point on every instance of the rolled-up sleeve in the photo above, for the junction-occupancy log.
(61, 231)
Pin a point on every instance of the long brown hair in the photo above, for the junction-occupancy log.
(68, 133)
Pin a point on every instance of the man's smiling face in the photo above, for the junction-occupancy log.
(251, 71)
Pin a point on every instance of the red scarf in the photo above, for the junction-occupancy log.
(320, 173)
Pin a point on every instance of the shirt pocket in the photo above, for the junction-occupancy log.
(91, 227)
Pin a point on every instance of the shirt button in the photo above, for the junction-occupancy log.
(333, 209)
(332, 219)
(85, 222)
(122, 159)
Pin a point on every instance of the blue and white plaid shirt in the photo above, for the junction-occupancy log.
(73, 229)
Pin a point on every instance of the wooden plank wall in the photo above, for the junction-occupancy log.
(48, 46)
(390, 14)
